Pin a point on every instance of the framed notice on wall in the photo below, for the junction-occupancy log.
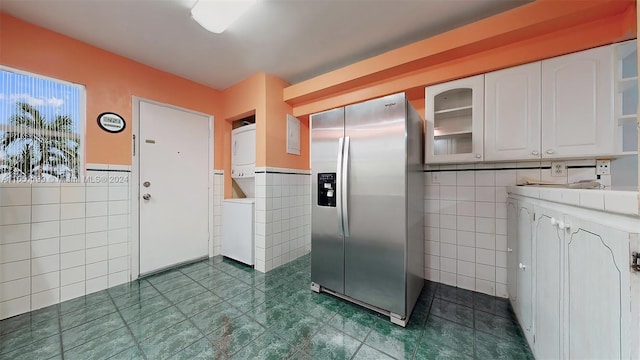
(111, 122)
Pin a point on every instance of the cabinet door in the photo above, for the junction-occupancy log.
(548, 288)
(454, 116)
(597, 299)
(525, 269)
(512, 251)
(577, 107)
(512, 113)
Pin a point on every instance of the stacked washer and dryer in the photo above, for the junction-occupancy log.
(238, 213)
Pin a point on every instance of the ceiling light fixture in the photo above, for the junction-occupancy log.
(217, 15)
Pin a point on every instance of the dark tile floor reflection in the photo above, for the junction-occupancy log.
(218, 309)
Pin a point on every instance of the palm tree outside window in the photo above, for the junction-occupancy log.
(41, 128)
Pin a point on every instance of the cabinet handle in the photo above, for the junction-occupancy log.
(564, 226)
(509, 250)
(553, 222)
(478, 156)
(550, 151)
(534, 152)
(522, 266)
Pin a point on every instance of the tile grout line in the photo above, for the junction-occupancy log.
(415, 351)
(204, 336)
(246, 313)
(58, 311)
(86, 322)
(252, 287)
(362, 343)
(144, 356)
(473, 328)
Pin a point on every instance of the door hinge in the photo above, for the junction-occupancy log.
(134, 144)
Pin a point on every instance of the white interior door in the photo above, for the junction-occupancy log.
(173, 208)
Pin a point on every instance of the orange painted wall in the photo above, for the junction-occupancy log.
(536, 18)
(261, 94)
(276, 136)
(419, 104)
(241, 100)
(308, 97)
(110, 82)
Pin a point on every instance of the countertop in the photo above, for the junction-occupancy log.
(614, 201)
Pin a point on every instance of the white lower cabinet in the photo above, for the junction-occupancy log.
(573, 294)
(548, 267)
(512, 251)
(525, 268)
(597, 295)
(520, 263)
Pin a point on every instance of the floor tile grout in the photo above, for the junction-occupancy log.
(234, 282)
(60, 331)
(204, 336)
(144, 356)
(415, 350)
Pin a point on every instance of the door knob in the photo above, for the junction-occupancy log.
(522, 266)
(509, 250)
(478, 156)
(146, 196)
(550, 151)
(534, 152)
(553, 221)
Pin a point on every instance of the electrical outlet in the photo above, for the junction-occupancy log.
(603, 167)
(559, 168)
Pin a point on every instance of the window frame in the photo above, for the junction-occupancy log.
(82, 120)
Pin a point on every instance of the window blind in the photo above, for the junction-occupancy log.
(41, 128)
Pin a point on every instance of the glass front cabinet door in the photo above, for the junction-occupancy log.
(454, 120)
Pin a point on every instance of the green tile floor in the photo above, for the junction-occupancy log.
(218, 309)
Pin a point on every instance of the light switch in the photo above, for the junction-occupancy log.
(293, 135)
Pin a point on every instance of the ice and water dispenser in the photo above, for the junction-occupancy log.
(327, 189)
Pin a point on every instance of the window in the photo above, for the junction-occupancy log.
(41, 128)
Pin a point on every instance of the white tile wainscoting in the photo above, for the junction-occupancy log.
(282, 216)
(59, 241)
(466, 219)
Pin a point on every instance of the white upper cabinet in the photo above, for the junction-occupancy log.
(564, 107)
(454, 116)
(577, 104)
(512, 113)
(626, 99)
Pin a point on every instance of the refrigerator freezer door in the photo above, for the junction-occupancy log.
(327, 241)
(376, 203)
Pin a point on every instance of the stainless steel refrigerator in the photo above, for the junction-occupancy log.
(367, 243)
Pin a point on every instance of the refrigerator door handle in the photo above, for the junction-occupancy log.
(338, 192)
(345, 187)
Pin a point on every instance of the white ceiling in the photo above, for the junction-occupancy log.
(292, 39)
